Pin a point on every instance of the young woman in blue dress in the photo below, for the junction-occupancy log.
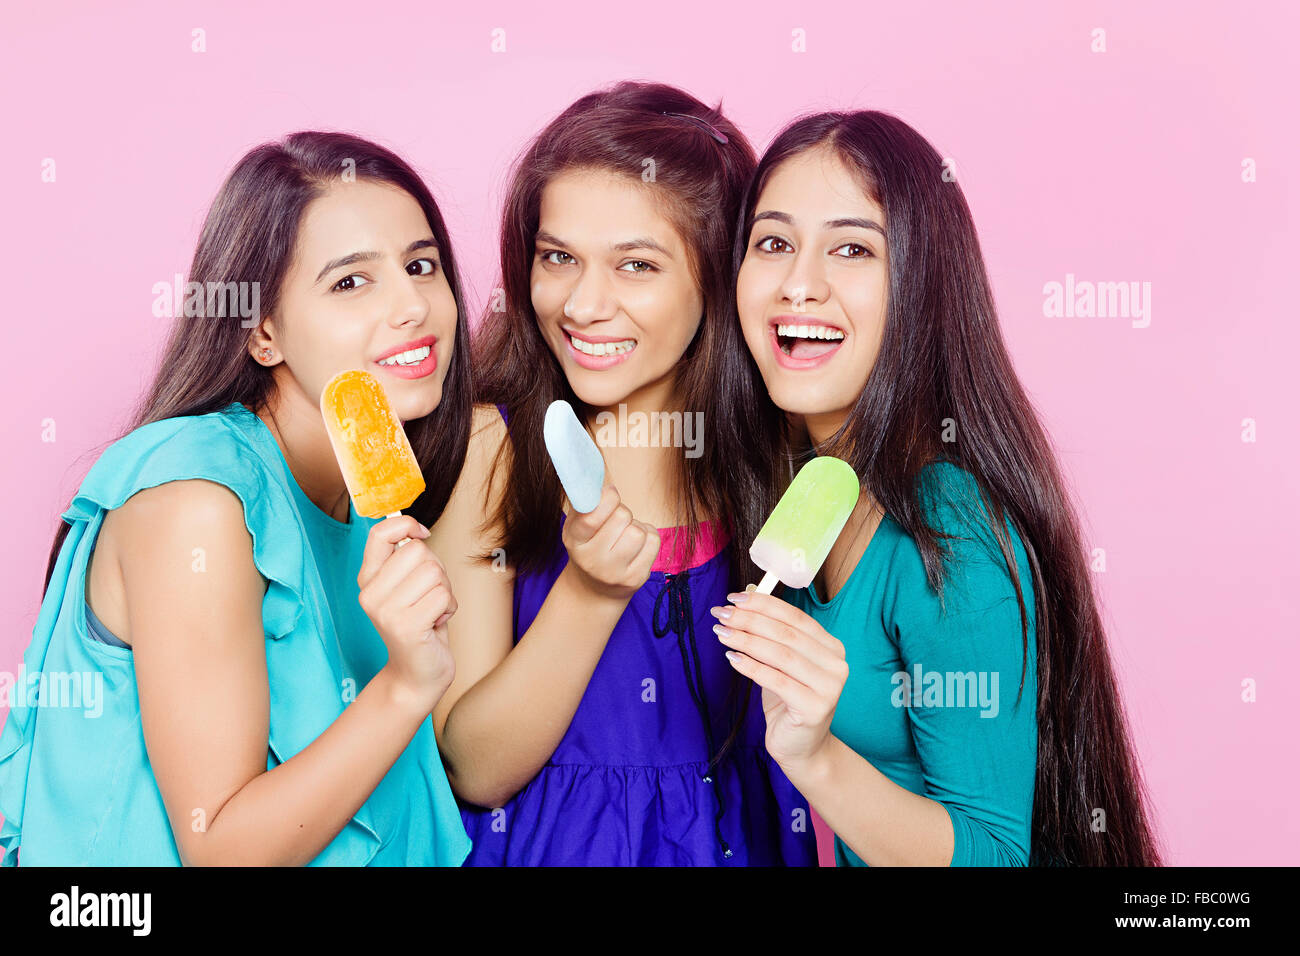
(268, 659)
(592, 721)
(942, 692)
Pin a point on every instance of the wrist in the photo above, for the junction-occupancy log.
(589, 591)
(811, 771)
(415, 703)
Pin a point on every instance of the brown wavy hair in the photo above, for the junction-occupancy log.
(699, 182)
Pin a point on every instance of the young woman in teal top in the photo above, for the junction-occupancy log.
(262, 662)
(942, 692)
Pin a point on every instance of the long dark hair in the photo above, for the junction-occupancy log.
(249, 236)
(699, 181)
(942, 357)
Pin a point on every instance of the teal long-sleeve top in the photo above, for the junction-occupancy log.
(931, 696)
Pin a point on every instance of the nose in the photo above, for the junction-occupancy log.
(589, 299)
(408, 305)
(806, 280)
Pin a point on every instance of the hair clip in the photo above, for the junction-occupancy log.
(712, 130)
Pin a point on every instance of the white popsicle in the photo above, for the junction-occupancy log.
(576, 458)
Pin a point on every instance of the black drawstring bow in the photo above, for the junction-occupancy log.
(681, 621)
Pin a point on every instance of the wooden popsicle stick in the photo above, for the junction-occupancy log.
(769, 582)
(397, 514)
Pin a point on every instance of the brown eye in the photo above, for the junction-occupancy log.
(864, 253)
(348, 283)
(420, 267)
(759, 245)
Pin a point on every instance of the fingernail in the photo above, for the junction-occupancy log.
(738, 598)
(721, 631)
(720, 612)
(733, 656)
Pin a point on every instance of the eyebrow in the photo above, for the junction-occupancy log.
(852, 222)
(627, 245)
(355, 257)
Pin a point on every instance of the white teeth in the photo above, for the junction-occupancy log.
(409, 357)
(809, 332)
(602, 348)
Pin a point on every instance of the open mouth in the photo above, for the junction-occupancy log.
(807, 342)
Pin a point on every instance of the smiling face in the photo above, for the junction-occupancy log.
(612, 288)
(812, 289)
(365, 290)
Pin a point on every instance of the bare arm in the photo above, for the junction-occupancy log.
(509, 706)
(200, 660)
(883, 823)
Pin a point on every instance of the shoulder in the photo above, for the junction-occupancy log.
(230, 447)
(213, 432)
(975, 573)
(952, 499)
(203, 479)
(957, 506)
(487, 427)
(218, 446)
(205, 493)
(190, 502)
(188, 513)
(488, 437)
(162, 535)
(480, 485)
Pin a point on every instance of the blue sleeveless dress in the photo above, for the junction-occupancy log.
(76, 787)
(629, 784)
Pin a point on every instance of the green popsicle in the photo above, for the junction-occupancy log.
(799, 533)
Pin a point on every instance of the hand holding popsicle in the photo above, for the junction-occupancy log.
(404, 593)
(408, 599)
(800, 666)
(611, 551)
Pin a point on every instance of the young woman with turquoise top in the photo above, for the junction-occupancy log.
(266, 660)
(942, 692)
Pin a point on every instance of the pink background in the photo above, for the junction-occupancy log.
(1115, 166)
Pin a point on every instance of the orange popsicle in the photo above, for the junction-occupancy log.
(379, 466)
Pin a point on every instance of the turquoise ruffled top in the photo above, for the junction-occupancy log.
(76, 787)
